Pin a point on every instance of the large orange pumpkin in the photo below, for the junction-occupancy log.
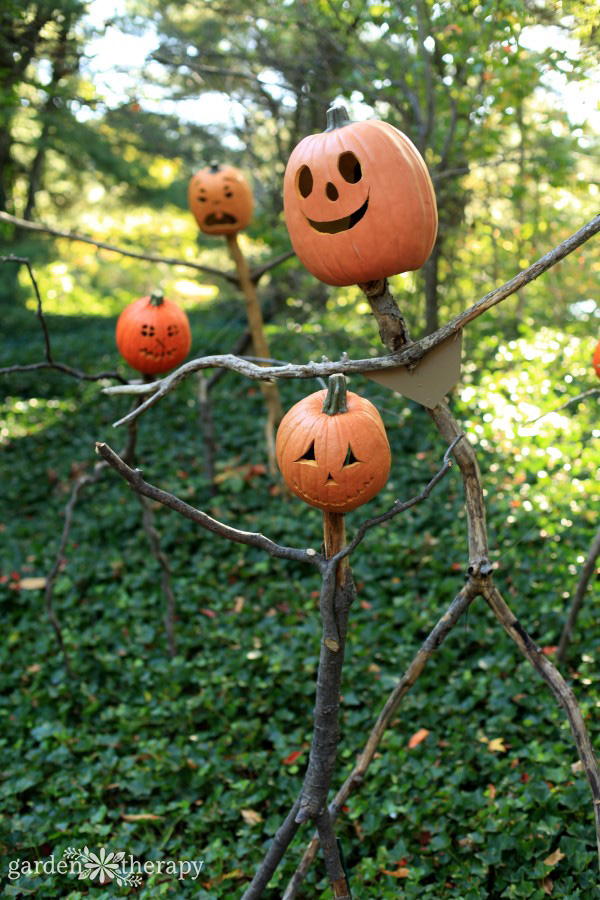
(220, 199)
(332, 449)
(359, 203)
(596, 359)
(153, 334)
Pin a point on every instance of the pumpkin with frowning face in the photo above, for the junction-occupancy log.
(153, 334)
(332, 449)
(596, 359)
(359, 203)
(220, 199)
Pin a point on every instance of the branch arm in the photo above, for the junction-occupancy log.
(134, 478)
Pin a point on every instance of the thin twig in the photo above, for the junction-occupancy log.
(49, 362)
(134, 478)
(582, 585)
(591, 393)
(231, 277)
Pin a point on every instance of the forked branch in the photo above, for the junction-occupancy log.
(402, 353)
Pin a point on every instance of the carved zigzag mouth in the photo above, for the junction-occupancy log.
(344, 224)
(331, 502)
(220, 219)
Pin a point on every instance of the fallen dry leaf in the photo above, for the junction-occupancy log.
(547, 885)
(401, 872)
(139, 817)
(497, 745)
(417, 737)
(251, 816)
(291, 759)
(554, 858)
(33, 584)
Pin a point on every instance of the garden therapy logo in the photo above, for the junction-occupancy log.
(105, 867)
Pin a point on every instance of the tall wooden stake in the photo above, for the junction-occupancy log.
(261, 347)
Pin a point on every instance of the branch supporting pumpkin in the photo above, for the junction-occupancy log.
(401, 352)
(337, 594)
(261, 346)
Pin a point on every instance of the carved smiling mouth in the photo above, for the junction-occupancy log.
(220, 219)
(332, 502)
(343, 224)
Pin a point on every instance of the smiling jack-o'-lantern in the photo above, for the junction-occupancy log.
(332, 449)
(153, 334)
(359, 203)
(596, 359)
(220, 199)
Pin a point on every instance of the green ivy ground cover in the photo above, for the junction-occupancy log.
(209, 748)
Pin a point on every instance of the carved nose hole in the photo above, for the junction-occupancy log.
(331, 191)
(330, 479)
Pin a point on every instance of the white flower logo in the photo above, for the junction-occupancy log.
(104, 866)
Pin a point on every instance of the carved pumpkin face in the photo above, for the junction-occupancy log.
(333, 462)
(359, 203)
(153, 334)
(596, 359)
(220, 199)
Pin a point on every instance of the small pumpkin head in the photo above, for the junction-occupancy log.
(153, 334)
(332, 449)
(596, 359)
(220, 199)
(359, 203)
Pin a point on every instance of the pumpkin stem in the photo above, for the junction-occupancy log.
(214, 165)
(336, 400)
(157, 298)
(337, 117)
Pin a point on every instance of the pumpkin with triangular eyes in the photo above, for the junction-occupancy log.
(332, 454)
(153, 334)
(359, 203)
(220, 199)
(596, 359)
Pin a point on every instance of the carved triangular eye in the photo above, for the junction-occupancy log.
(309, 456)
(350, 458)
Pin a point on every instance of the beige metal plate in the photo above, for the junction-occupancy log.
(433, 377)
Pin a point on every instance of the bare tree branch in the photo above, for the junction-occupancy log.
(231, 277)
(582, 585)
(591, 393)
(354, 780)
(49, 362)
(254, 539)
(409, 355)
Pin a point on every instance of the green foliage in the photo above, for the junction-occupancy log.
(473, 811)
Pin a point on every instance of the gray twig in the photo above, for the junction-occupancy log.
(393, 333)
(582, 585)
(231, 277)
(49, 362)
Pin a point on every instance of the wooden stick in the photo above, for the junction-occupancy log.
(261, 346)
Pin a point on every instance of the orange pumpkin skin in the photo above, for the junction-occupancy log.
(220, 199)
(153, 334)
(333, 462)
(596, 359)
(359, 203)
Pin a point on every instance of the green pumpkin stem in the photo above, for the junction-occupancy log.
(157, 298)
(214, 166)
(337, 117)
(336, 400)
